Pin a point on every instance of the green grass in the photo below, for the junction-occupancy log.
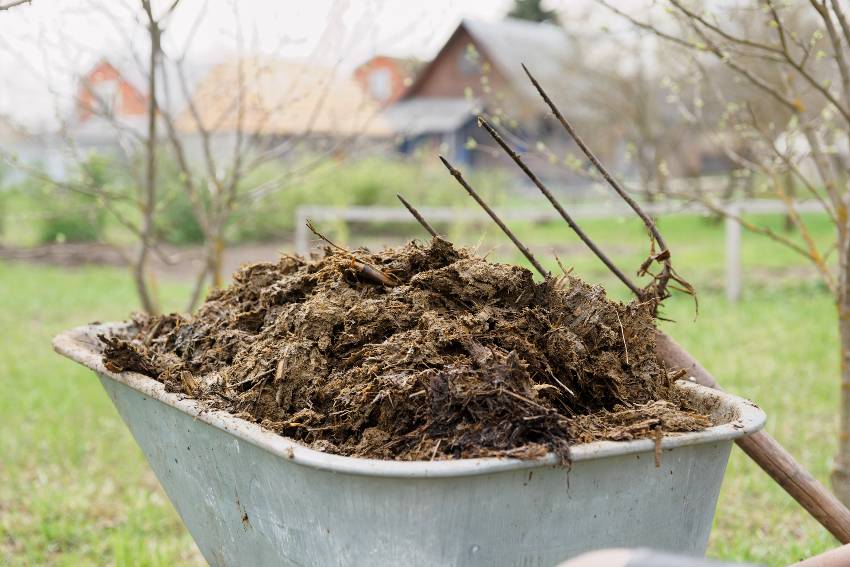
(778, 349)
(74, 488)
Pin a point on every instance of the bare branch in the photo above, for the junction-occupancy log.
(842, 20)
(198, 286)
(756, 80)
(12, 4)
(150, 189)
(789, 164)
(720, 31)
(840, 59)
(813, 81)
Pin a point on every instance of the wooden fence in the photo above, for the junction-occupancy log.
(734, 271)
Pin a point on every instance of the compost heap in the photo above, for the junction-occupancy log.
(452, 357)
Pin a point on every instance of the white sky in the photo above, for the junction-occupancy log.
(43, 46)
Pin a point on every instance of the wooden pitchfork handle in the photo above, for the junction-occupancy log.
(769, 454)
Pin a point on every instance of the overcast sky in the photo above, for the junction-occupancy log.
(43, 46)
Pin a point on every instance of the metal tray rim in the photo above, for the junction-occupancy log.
(79, 344)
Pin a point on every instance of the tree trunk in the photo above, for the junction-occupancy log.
(729, 190)
(841, 470)
(646, 177)
(790, 191)
(660, 173)
(200, 280)
(217, 262)
(140, 280)
(140, 269)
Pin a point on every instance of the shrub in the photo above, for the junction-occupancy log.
(69, 226)
(71, 216)
(176, 222)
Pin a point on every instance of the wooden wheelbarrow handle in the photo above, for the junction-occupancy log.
(769, 454)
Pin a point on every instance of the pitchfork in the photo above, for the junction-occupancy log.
(760, 447)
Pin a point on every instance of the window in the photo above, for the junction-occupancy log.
(380, 84)
(105, 95)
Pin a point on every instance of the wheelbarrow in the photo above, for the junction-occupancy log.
(252, 497)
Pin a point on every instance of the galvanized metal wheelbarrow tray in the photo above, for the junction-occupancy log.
(251, 497)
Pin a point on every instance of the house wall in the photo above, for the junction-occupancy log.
(453, 72)
(524, 115)
(128, 100)
(457, 72)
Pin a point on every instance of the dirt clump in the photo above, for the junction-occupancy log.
(443, 354)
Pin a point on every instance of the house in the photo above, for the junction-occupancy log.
(105, 90)
(108, 115)
(479, 70)
(111, 105)
(282, 101)
(387, 78)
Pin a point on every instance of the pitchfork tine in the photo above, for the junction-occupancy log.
(650, 225)
(417, 216)
(548, 194)
(522, 248)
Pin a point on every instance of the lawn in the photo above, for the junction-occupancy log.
(74, 488)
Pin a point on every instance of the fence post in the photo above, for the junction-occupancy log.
(733, 253)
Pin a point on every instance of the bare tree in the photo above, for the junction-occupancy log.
(796, 56)
(154, 24)
(237, 108)
(240, 121)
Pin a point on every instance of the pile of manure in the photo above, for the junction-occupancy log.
(425, 351)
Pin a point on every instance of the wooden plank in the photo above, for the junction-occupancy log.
(734, 269)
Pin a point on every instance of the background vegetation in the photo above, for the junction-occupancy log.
(34, 212)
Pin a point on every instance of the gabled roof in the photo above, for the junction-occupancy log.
(509, 43)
